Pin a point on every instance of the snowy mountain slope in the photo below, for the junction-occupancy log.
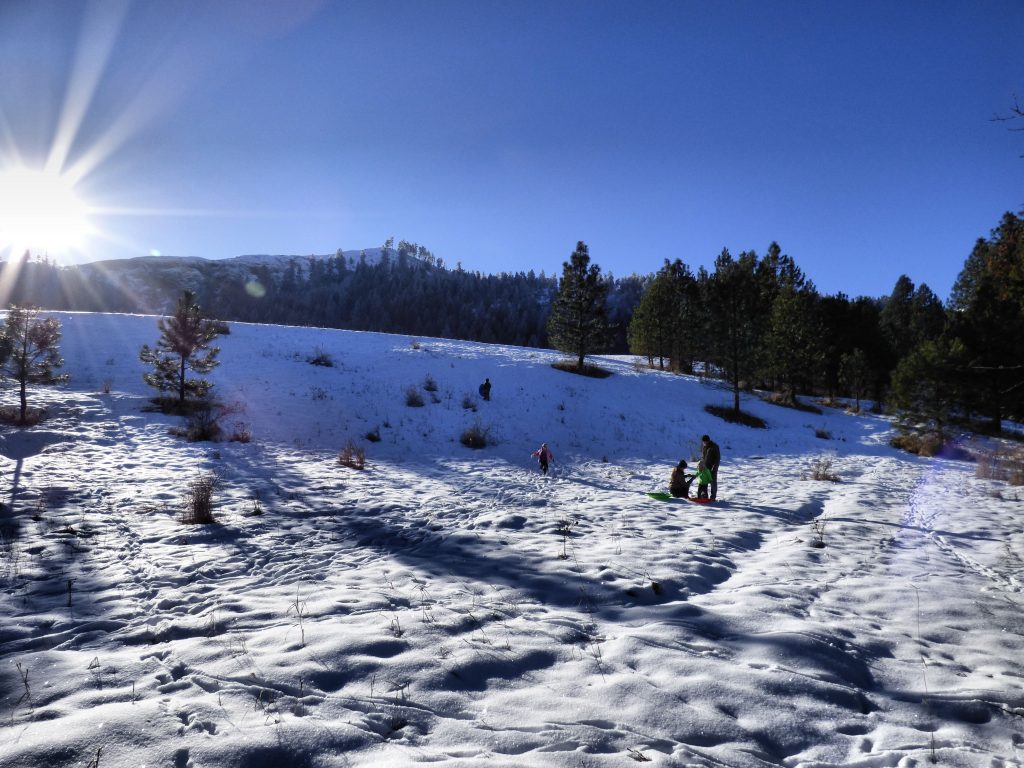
(157, 281)
(453, 607)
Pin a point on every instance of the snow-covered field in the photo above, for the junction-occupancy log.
(452, 607)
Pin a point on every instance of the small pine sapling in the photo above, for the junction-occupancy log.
(29, 352)
(184, 345)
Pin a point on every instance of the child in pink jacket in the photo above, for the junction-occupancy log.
(545, 456)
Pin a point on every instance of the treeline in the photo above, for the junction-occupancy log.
(407, 290)
(758, 321)
(975, 367)
(397, 294)
(400, 289)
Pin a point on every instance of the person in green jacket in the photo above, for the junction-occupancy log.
(703, 478)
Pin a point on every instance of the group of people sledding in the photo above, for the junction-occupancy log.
(680, 482)
(706, 474)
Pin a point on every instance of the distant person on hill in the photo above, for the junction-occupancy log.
(545, 456)
(711, 455)
(485, 389)
(679, 485)
(703, 478)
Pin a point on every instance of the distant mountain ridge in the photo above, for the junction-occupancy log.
(152, 284)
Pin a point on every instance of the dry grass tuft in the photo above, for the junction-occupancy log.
(352, 456)
(476, 436)
(413, 398)
(821, 469)
(199, 500)
(1001, 463)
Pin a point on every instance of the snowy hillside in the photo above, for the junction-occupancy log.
(452, 607)
(157, 281)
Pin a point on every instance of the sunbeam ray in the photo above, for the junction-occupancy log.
(100, 29)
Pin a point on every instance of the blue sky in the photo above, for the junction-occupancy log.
(857, 135)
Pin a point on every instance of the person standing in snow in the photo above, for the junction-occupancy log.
(711, 455)
(485, 389)
(679, 485)
(545, 456)
(703, 478)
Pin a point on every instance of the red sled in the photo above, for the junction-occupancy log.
(701, 501)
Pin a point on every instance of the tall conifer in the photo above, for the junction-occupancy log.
(578, 323)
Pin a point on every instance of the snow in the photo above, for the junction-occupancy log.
(452, 607)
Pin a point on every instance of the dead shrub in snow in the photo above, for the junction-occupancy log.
(373, 435)
(1001, 464)
(202, 424)
(821, 469)
(352, 456)
(823, 434)
(321, 358)
(921, 443)
(476, 436)
(413, 398)
(199, 500)
(429, 384)
(469, 403)
(242, 433)
(11, 414)
(818, 526)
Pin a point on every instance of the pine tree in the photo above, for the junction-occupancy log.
(578, 321)
(988, 318)
(855, 373)
(29, 351)
(666, 323)
(653, 327)
(183, 336)
(793, 348)
(928, 386)
(737, 311)
(896, 320)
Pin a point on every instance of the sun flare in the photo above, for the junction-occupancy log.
(40, 212)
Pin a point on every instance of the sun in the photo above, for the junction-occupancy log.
(40, 212)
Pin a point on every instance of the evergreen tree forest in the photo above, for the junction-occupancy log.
(759, 322)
